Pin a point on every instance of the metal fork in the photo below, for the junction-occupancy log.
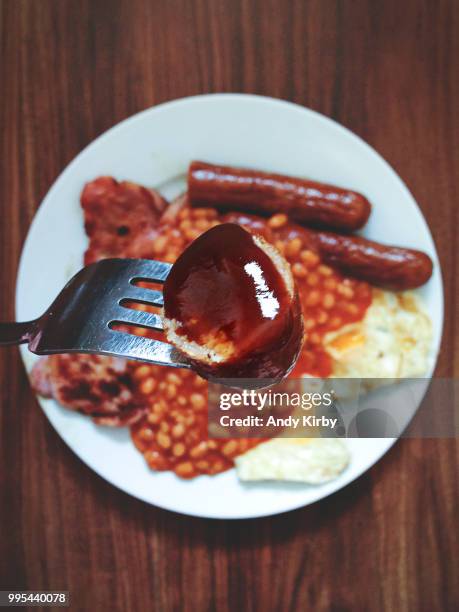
(81, 318)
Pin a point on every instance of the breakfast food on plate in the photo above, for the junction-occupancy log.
(173, 434)
(119, 217)
(231, 305)
(310, 460)
(97, 386)
(392, 340)
(351, 328)
(382, 265)
(302, 200)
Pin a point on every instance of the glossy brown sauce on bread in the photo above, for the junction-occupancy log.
(227, 295)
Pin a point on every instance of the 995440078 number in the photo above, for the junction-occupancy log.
(34, 598)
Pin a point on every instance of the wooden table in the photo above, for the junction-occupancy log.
(70, 69)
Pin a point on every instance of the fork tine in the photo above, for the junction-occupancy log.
(145, 349)
(149, 269)
(143, 295)
(139, 317)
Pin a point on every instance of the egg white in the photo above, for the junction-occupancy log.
(392, 341)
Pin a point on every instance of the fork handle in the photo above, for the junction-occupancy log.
(16, 333)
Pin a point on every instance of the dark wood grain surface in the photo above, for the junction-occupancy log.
(70, 69)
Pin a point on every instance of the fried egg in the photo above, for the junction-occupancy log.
(309, 460)
(392, 341)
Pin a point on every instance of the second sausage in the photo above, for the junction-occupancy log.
(302, 200)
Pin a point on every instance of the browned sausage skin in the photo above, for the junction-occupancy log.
(386, 266)
(381, 265)
(302, 200)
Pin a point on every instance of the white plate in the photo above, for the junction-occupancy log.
(154, 148)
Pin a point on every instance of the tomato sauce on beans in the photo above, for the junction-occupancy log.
(173, 434)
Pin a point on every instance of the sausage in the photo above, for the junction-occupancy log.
(381, 265)
(304, 201)
(386, 266)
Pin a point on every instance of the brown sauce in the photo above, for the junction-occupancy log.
(226, 294)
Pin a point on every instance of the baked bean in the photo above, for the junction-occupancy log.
(230, 448)
(202, 224)
(216, 467)
(163, 440)
(184, 469)
(171, 391)
(328, 301)
(352, 309)
(322, 317)
(159, 245)
(148, 386)
(299, 270)
(312, 298)
(325, 270)
(293, 247)
(185, 225)
(178, 430)
(310, 258)
(178, 450)
(141, 372)
(198, 401)
(159, 406)
(199, 450)
(153, 418)
(174, 379)
(277, 221)
(155, 460)
(146, 434)
(164, 426)
(330, 284)
(345, 291)
(192, 234)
